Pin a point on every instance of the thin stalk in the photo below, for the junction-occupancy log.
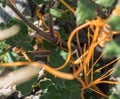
(41, 33)
(69, 7)
(46, 67)
(102, 67)
(90, 51)
(69, 43)
(98, 92)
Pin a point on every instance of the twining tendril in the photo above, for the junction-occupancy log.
(97, 37)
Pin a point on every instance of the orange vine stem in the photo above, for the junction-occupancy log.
(41, 17)
(95, 63)
(57, 34)
(79, 60)
(82, 93)
(90, 51)
(24, 54)
(100, 93)
(85, 67)
(109, 82)
(108, 73)
(102, 67)
(78, 43)
(69, 44)
(96, 26)
(46, 67)
(65, 11)
(69, 7)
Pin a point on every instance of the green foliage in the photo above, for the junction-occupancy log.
(24, 28)
(112, 48)
(114, 21)
(85, 10)
(3, 46)
(4, 2)
(116, 70)
(48, 45)
(91, 95)
(2, 26)
(60, 89)
(20, 40)
(41, 1)
(105, 3)
(26, 87)
(38, 1)
(63, 35)
(57, 58)
(52, 87)
(7, 55)
(55, 13)
(114, 96)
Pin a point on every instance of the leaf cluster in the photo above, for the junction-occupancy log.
(51, 86)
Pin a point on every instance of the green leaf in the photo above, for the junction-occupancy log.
(89, 94)
(45, 83)
(116, 70)
(112, 48)
(55, 13)
(60, 83)
(10, 56)
(3, 46)
(48, 45)
(63, 35)
(57, 58)
(9, 32)
(43, 1)
(26, 87)
(10, 29)
(24, 28)
(52, 93)
(2, 26)
(66, 17)
(118, 88)
(3, 2)
(114, 96)
(85, 11)
(105, 3)
(20, 40)
(71, 90)
(7, 55)
(114, 21)
(61, 89)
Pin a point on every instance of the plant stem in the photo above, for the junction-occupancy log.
(41, 33)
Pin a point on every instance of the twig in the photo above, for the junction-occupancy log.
(41, 33)
(41, 53)
(51, 25)
(40, 64)
(51, 22)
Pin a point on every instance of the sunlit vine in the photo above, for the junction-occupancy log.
(100, 33)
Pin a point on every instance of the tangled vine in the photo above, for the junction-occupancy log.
(99, 33)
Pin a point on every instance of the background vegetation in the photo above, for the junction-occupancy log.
(45, 36)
